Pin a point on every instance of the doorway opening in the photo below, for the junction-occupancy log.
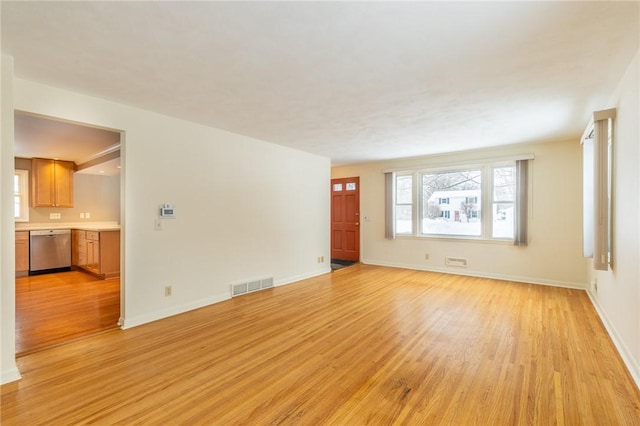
(59, 306)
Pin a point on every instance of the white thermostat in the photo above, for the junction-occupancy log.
(167, 211)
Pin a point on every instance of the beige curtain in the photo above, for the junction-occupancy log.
(522, 205)
(602, 130)
(389, 226)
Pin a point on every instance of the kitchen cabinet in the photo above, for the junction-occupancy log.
(52, 183)
(22, 253)
(97, 252)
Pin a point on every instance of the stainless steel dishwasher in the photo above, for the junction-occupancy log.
(49, 249)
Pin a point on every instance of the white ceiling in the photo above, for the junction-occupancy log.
(37, 136)
(354, 81)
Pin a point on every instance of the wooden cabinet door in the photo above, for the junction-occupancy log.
(42, 183)
(110, 253)
(63, 171)
(52, 183)
(93, 256)
(22, 252)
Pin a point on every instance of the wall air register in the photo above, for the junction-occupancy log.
(251, 286)
(455, 261)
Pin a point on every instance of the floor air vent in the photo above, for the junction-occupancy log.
(251, 286)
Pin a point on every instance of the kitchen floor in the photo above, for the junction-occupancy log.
(52, 309)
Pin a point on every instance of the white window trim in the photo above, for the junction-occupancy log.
(479, 162)
(486, 166)
(24, 192)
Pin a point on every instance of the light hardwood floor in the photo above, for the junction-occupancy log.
(56, 308)
(363, 345)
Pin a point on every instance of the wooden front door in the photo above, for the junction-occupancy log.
(345, 219)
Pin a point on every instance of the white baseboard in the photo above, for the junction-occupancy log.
(172, 310)
(11, 375)
(126, 323)
(623, 350)
(291, 280)
(481, 274)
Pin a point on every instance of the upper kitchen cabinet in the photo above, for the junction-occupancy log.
(52, 183)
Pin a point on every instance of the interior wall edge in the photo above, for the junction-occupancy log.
(8, 368)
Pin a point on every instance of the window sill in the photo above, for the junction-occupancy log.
(461, 239)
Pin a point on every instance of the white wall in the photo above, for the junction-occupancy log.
(8, 370)
(554, 254)
(246, 209)
(618, 294)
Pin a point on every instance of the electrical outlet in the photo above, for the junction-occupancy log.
(158, 225)
(81, 215)
(167, 290)
(594, 286)
(320, 259)
(426, 256)
(87, 215)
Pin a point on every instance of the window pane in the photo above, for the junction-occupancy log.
(337, 187)
(404, 189)
(404, 204)
(403, 219)
(503, 220)
(351, 186)
(504, 195)
(451, 203)
(21, 195)
(504, 183)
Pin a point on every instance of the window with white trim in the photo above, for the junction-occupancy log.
(21, 195)
(458, 202)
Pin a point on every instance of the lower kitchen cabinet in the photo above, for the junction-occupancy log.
(97, 252)
(78, 248)
(22, 253)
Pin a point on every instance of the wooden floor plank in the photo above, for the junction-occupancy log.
(59, 307)
(362, 345)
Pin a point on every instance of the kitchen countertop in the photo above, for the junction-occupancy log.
(83, 226)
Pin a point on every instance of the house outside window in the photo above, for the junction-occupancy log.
(456, 187)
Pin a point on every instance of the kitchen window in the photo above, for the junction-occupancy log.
(21, 195)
